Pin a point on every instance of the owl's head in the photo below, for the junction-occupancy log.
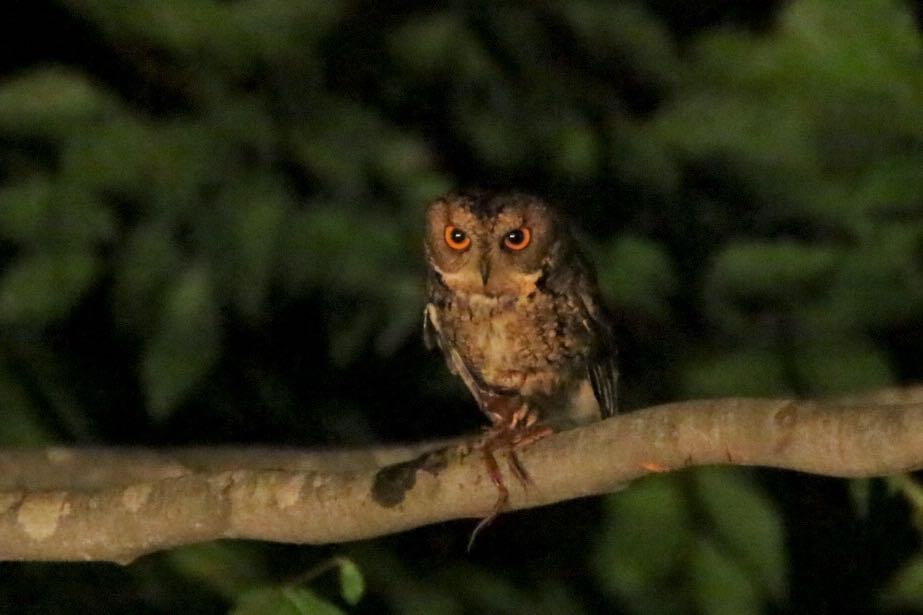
(491, 244)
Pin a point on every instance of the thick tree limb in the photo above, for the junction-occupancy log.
(117, 504)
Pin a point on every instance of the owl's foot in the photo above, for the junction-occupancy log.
(510, 431)
(503, 494)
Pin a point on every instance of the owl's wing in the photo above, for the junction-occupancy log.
(602, 359)
(430, 333)
(574, 277)
(433, 336)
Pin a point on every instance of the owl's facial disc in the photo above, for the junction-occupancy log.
(492, 249)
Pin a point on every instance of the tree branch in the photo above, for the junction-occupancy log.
(117, 504)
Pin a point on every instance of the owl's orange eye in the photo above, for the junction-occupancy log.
(457, 239)
(518, 239)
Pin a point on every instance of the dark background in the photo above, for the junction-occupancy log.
(210, 232)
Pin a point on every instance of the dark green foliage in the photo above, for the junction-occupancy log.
(210, 229)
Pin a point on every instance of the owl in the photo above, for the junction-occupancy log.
(515, 309)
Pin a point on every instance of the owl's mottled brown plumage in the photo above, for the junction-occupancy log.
(515, 309)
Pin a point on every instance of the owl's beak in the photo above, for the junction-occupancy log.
(485, 271)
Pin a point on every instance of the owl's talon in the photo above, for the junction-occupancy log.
(516, 468)
(503, 494)
(521, 413)
(507, 438)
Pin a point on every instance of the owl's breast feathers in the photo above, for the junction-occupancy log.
(539, 347)
(526, 344)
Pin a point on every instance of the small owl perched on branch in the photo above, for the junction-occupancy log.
(515, 309)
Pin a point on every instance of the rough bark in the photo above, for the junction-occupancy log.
(116, 504)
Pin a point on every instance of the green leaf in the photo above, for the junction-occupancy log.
(432, 42)
(719, 584)
(186, 344)
(158, 166)
(228, 568)
(880, 282)
(319, 145)
(283, 601)
(365, 249)
(749, 371)
(49, 102)
(575, 148)
(21, 424)
(624, 33)
(860, 494)
(905, 589)
(746, 527)
(38, 289)
(24, 208)
(843, 366)
(52, 215)
(352, 583)
(243, 239)
(147, 261)
(638, 274)
(644, 544)
(764, 270)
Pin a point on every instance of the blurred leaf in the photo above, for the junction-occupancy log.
(279, 29)
(764, 142)
(745, 372)
(881, 282)
(644, 544)
(283, 601)
(860, 493)
(352, 583)
(720, 585)
(912, 492)
(438, 43)
(41, 212)
(403, 313)
(24, 208)
(243, 235)
(576, 149)
(350, 333)
(346, 253)
(761, 271)
(890, 186)
(177, 26)
(486, 592)
(49, 102)
(21, 424)
(406, 590)
(228, 569)
(77, 218)
(857, 45)
(642, 159)
(47, 375)
(149, 259)
(905, 588)
(624, 32)
(403, 158)
(186, 344)
(638, 274)
(341, 146)
(37, 289)
(746, 526)
(155, 166)
(843, 366)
